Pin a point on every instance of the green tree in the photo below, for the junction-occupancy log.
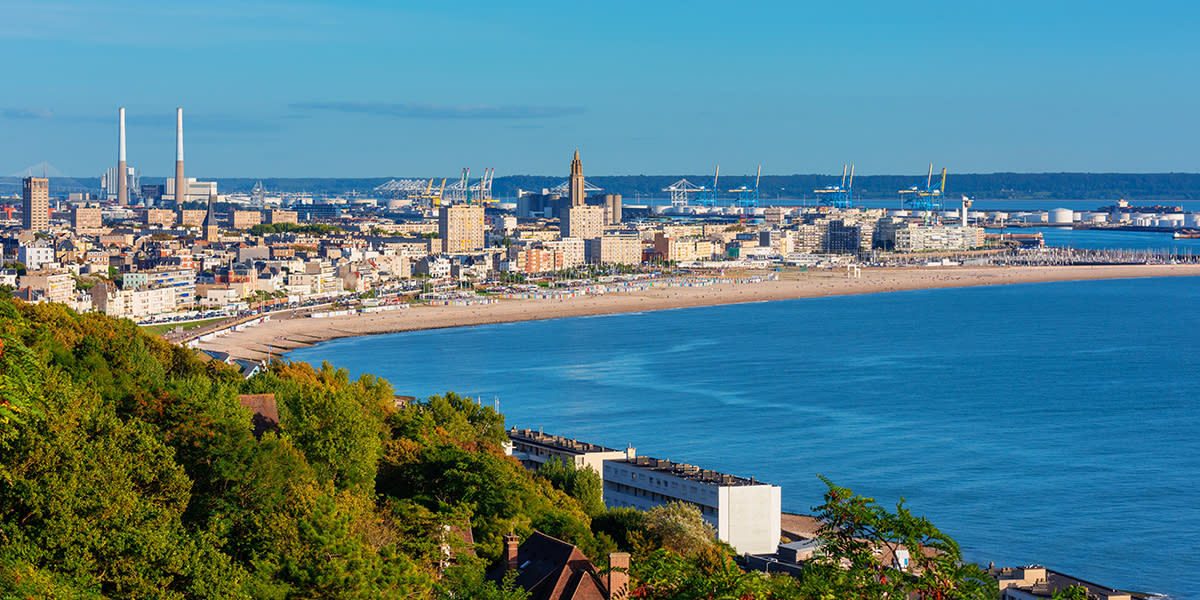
(583, 485)
(855, 531)
(679, 527)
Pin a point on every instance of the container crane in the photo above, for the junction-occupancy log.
(747, 197)
(928, 200)
(680, 190)
(841, 195)
(708, 197)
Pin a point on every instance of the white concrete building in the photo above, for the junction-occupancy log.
(33, 257)
(533, 448)
(744, 512)
(134, 304)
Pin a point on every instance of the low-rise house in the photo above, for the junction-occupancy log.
(551, 569)
(1039, 583)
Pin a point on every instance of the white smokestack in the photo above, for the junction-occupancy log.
(121, 145)
(179, 134)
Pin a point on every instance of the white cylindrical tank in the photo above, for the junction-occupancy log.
(1062, 216)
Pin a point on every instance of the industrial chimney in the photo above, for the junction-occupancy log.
(180, 184)
(122, 179)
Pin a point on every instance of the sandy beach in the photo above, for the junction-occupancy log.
(278, 336)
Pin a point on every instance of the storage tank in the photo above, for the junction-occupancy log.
(1062, 216)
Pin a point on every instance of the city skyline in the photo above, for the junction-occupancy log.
(318, 90)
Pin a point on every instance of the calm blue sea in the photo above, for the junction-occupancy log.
(1054, 423)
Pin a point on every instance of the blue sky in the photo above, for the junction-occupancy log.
(316, 89)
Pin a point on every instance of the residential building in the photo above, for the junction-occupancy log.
(244, 219)
(533, 448)
(158, 217)
(133, 304)
(548, 568)
(572, 249)
(33, 257)
(53, 285)
(1039, 583)
(615, 250)
(534, 259)
(87, 219)
(192, 217)
(182, 281)
(35, 196)
(275, 217)
(923, 238)
(585, 222)
(744, 512)
(460, 227)
(681, 249)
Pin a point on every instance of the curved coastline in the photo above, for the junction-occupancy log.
(276, 337)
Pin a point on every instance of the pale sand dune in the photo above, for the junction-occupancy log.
(287, 334)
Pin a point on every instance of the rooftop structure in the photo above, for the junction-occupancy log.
(533, 448)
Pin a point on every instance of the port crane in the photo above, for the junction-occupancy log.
(434, 199)
(841, 195)
(680, 190)
(928, 200)
(747, 197)
(708, 197)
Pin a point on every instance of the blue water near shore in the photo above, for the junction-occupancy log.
(1054, 423)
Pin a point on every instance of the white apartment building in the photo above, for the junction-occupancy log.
(744, 512)
(134, 304)
(920, 238)
(533, 448)
(33, 257)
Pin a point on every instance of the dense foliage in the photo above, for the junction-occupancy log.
(129, 469)
(310, 228)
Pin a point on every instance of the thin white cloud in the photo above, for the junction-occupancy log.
(25, 113)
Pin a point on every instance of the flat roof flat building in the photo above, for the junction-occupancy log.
(460, 227)
(35, 196)
(533, 448)
(745, 512)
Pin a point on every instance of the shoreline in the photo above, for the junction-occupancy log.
(277, 337)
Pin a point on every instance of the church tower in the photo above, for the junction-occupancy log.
(576, 184)
(211, 232)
